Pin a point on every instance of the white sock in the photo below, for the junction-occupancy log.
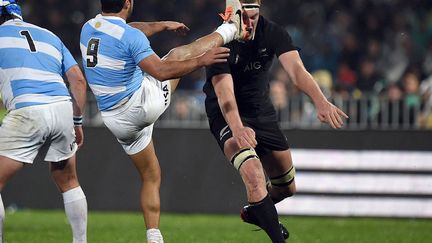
(2, 216)
(76, 211)
(227, 31)
(154, 236)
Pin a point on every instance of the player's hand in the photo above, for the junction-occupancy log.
(214, 55)
(177, 27)
(245, 137)
(330, 114)
(79, 136)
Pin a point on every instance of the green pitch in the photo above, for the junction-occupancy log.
(27, 226)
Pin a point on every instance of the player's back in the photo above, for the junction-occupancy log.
(32, 63)
(111, 52)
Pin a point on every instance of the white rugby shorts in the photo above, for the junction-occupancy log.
(132, 123)
(48, 128)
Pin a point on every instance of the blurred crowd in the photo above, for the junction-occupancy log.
(354, 49)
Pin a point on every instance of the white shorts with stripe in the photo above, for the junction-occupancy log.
(48, 128)
(132, 123)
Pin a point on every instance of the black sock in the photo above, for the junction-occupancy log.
(265, 215)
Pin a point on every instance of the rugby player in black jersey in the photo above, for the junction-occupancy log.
(243, 119)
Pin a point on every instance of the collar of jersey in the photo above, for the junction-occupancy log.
(10, 21)
(110, 17)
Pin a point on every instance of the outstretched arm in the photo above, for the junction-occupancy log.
(224, 89)
(326, 111)
(151, 28)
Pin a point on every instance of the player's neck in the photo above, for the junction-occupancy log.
(122, 14)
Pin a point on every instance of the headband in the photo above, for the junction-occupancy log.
(10, 7)
(250, 6)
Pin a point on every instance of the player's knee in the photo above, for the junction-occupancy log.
(231, 146)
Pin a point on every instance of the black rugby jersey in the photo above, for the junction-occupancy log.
(249, 64)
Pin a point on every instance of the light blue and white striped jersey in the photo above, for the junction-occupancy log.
(32, 63)
(111, 51)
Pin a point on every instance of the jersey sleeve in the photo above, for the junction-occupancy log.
(68, 60)
(139, 45)
(218, 68)
(280, 40)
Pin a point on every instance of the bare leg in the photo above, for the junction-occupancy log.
(75, 202)
(64, 174)
(8, 167)
(195, 48)
(148, 167)
(261, 210)
(251, 172)
(192, 50)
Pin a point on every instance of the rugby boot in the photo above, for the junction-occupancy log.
(249, 220)
(234, 14)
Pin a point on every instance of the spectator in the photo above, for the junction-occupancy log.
(412, 99)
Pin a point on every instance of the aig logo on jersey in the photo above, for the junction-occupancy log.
(253, 66)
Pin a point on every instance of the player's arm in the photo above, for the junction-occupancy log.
(78, 90)
(169, 69)
(151, 28)
(326, 111)
(224, 89)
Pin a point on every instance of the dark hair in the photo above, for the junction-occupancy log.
(5, 16)
(112, 6)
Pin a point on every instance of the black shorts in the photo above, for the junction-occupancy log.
(268, 134)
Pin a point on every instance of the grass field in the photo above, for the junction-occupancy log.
(29, 226)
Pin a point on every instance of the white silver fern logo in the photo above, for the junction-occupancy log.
(224, 132)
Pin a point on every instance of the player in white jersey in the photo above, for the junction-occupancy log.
(42, 116)
(133, 85)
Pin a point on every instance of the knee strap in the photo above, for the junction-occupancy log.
(285, 179)
(242, 156)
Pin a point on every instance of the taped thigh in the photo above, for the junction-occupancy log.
(285, 179)
(242, 156)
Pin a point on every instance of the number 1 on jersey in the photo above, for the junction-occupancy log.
(92, 51)
(29, 39)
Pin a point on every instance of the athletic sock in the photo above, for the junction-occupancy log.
(227, 31)
(265, 215)
(76, 211)
(2, 216)
(154, 236)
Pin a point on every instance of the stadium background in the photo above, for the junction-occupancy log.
(373, 58)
